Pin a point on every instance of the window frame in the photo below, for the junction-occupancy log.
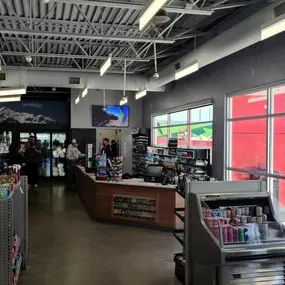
(269, 117)
(188, 123)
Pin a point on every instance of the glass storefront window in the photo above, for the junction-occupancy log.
(160, 136)
(160, 121)
(203, 114)
(201, 135)
(248, 144)
(179, 118)
(279, 100)
(254, 104)
(181, 133)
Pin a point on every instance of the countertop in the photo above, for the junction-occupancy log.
(129, 182)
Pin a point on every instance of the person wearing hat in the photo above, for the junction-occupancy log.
(72, 156)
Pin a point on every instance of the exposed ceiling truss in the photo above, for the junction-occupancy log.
(80, 34)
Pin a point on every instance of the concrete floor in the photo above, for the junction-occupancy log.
(67, 248)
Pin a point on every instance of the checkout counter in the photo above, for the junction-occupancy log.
(134, 201)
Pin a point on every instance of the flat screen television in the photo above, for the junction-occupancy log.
(111, 117)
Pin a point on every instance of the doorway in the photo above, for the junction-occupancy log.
(53, 147)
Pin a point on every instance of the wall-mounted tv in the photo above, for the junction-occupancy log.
(111, 117)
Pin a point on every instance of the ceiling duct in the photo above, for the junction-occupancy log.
(160, 18)
(240, 36)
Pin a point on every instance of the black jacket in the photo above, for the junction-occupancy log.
(107, 150)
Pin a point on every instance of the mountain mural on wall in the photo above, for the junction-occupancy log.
(7, 115)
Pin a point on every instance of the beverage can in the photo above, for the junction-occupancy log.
(253, 220)
(222, 221)
(204, 212)
(230, 233)
(215, 231)
(229, 214)
(225, 233)
(241, 234)
(264, 218)
(233, 213)
(239, 212)
(215, 221)
(208, 213)
(259, 219)
(259, 211)
(236, 234)
(243, 220)
(246, 211)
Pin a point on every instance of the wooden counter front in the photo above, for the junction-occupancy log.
(98, 199)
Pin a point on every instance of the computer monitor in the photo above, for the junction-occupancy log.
(154, 173)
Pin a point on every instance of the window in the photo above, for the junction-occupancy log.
(255, 147)
(192, 128)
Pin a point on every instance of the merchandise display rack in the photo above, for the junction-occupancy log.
(14, 222)
(140, 142)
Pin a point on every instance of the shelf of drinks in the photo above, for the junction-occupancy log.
(16, 247)
(17, 269)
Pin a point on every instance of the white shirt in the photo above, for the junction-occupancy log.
(73, 153)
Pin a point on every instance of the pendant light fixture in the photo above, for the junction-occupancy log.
(104, 100)
(125, 98)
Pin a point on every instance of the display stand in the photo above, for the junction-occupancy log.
(14, 220)
(214, 187)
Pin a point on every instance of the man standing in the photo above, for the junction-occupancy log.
(106, 148)
(72, 156)
(32, 159)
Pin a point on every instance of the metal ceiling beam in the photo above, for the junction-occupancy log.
(71, 56)
(85, 44)
(131, 6)
(82, 36)
(57, 22)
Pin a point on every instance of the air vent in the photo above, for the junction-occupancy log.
(2, 76)
(279, 10)
(177, 66)
(74, 80)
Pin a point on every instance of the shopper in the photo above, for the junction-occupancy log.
(114, 148)
(72, 156)
(106, 148)
(32, 158)
(15, 156)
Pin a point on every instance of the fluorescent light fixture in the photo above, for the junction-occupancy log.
(106, 65)
(85, 92)
(141, 94)
(186, 71)
(273, 28)
(12, 92)
(150, 12)
(124, 101)
(77, 100)
(10, 99)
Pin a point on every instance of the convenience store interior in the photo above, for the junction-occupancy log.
(204, 75)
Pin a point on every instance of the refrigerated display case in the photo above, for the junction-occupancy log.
(236, 237)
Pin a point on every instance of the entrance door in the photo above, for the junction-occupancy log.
(58, 154)
(43, 141)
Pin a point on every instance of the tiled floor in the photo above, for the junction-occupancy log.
(67, 248)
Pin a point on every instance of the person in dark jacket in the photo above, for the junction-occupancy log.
(32, 159)
(15, 156)
(114, 148)
(106, 148)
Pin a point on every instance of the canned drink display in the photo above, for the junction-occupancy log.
(204, 212)
(215, 222)
(230, 233)
(259, 211)
(241, 234)
(225, 233)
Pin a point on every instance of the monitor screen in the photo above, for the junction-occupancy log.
(111, 116)
(154, 171)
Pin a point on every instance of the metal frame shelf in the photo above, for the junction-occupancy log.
(13, 219)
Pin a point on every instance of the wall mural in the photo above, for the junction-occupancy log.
(34, 112)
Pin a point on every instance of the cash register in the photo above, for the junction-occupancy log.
(154, 173)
